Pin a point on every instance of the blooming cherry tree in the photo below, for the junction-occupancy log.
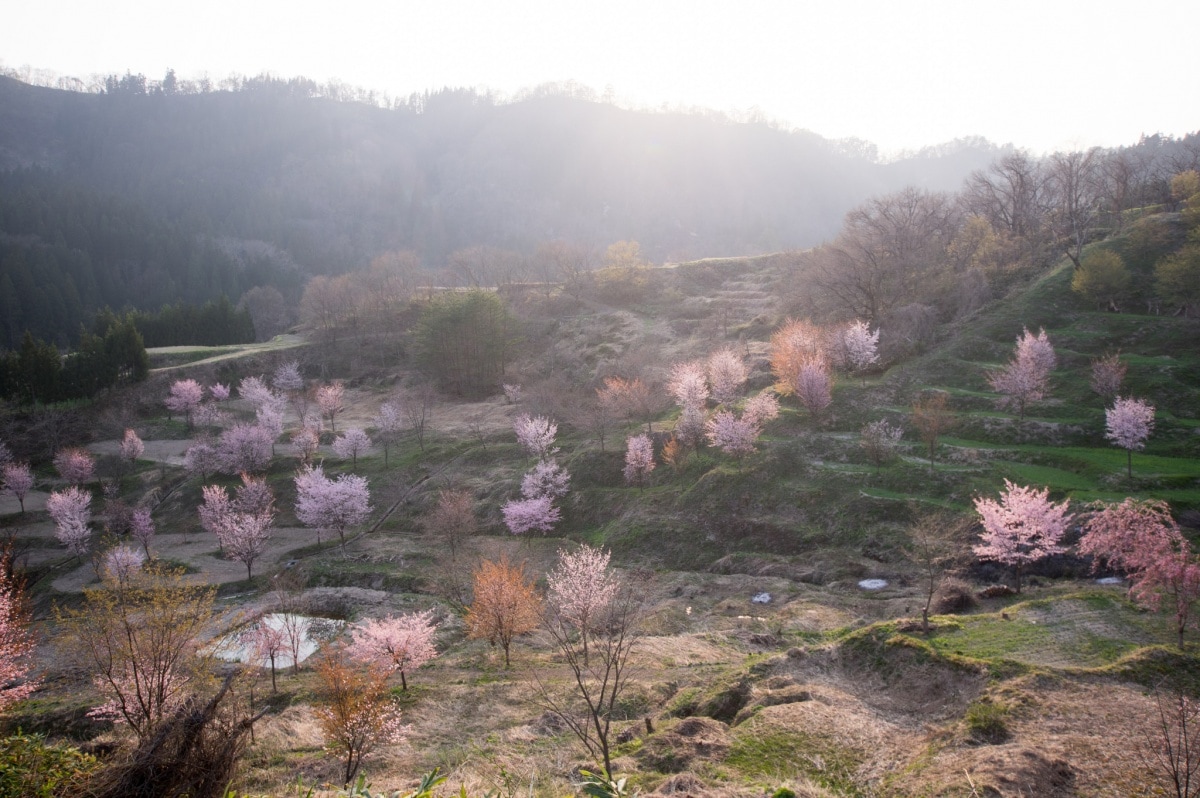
(1022, 528)
(287, 377)
(732, 435)
(689, 385)
(256, 392)
(218, 391)
(526, 515)
(547, 478)
(536, 435)
(727, 373)
(1026, 378)
(331, 503)
(581, 587)
(209, 415)
(71, 510)
(19, 479)
(267, 642)
(243, 525)
(389, 423)
(639, 459)
(689, 429)
(131, 446)
(1108, 373)
(141, 528)
(813, 385)
(122, 563)
(761, 408)
(861, 346)
(329, 399)
(396, 643)
(304, 444)
(184, 397)
(350, 444)
(1128, 423)
(244, 447)
(879, 440)
(201, 459)
(76, 466)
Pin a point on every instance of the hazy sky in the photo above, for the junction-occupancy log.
(902, 74)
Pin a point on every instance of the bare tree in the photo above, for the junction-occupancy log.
(416, 401)
(1074, 181)
(936, 540)
(1170, 750)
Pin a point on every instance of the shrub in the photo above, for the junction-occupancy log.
(30, 768)
(986, 722)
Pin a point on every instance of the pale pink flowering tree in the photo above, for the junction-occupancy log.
(536, 435)
(813, 385)
(1026, 378)
(580, 589)
(244, 537)
(861, 346)
(201, 459)
(879, 440)
(513, 393)
(389, 423)
(639, 459)
(727, 373)
(141, 528)
(184, 397)
(525, 515)
(331, 503)
(243, 525)
(547, 478)
(218, 391)
(131, 446)
(254, 496)
(122, 563)
(1128, 423)
(304, 444)
(350, 444)
(17, 643)
(732, 435)
(396, 643)
(76, 466)
(267, 643)
(244, 447)
(71, 510)
(1108, 373)
(287, 377)
(761, 408)
(209, 415)
(329, 399)
(688, 384)
(689, 429)
(1022, 528)
(256, 392)
(18, 478)
(1141, 538)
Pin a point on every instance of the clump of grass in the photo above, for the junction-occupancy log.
(987, 722)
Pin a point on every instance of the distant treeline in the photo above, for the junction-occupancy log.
(215, 323)
(36, 372)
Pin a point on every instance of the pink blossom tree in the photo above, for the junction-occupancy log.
(732, 435)
(244, 537)
(536, 435)
(879, 440)
(201, 458)
(1022, 528)
(1128, 423)
(1108, 373)
(513, 393)
(580, 588)
(71, 510)
(287, 377)
(688, 384)
(813, 385)
(350, 444)
(329, 399)
(547, 478)
(122, 563)
(256, 392)
(525, 515)
(305, 442)
(184, 397)
(861, 346)
(218, 391)
(727, 373)
(761, 408)
(331, 503)
(141, 528)
(396, 643)
(389, 423)
(1142, 538)
(244, 447)
(209, 415)
(17, 643)
(243, 525)
(76, 466)
(639, 459)
(267, 643)
(689, 429)
(1026, 378)
(18, 478)
(131, 446)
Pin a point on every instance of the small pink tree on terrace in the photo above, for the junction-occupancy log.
(305, 442)
(761, 408)
(1108, 373)
(218, 391)
(396, 643)
(18, 479)
(732, 435)
(389, 423)
(141, 528)
(639, 459)
(813, 385)
(244, 447)
(267, 642)
(329, 399)
(860, 345)
(547, 478)
(727, 373)
(580, 589)
(243, 525)
(122, 563)
(350, 444)
(331, 503)
(1128, 423)
(131, 446)
(75, 465)
(1026, 378)
(1022, 528)
(1141, 538)
(71, 510)
(184, 397)
(689, 385)
(536, 435)
(525, 515)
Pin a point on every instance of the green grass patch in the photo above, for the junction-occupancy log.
(766, 751)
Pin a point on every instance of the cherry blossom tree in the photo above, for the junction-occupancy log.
(396, 643)
(141, 528)
(71, 510)
(536, 435)
(389, 423)
(1108, 373)
(244, 537)
(243, 525)
(17, 478)
(244, 447)
(305, 442)
(1022, 528)
(861, 346)
(547, 478)
(76, 466)
(814, 385)
(525, 515)
(17, 642)
(513, 393)
(351, 444)
(879, 440)
(727, 373)
(331, 503)
(628, 398)
(184, 397)
(330, 400)
(1142, 538)
(689, 385)
(287, 377)
(761, 408)
(131, 446)
(267, 642)
(1026, 378)
(218, 391)
(581, 587)
(639, 459)
(1128, 423)
(732, 435)
(209, 415)
(121, 563)
(256, 392)
(689, 429)
(201, 458)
